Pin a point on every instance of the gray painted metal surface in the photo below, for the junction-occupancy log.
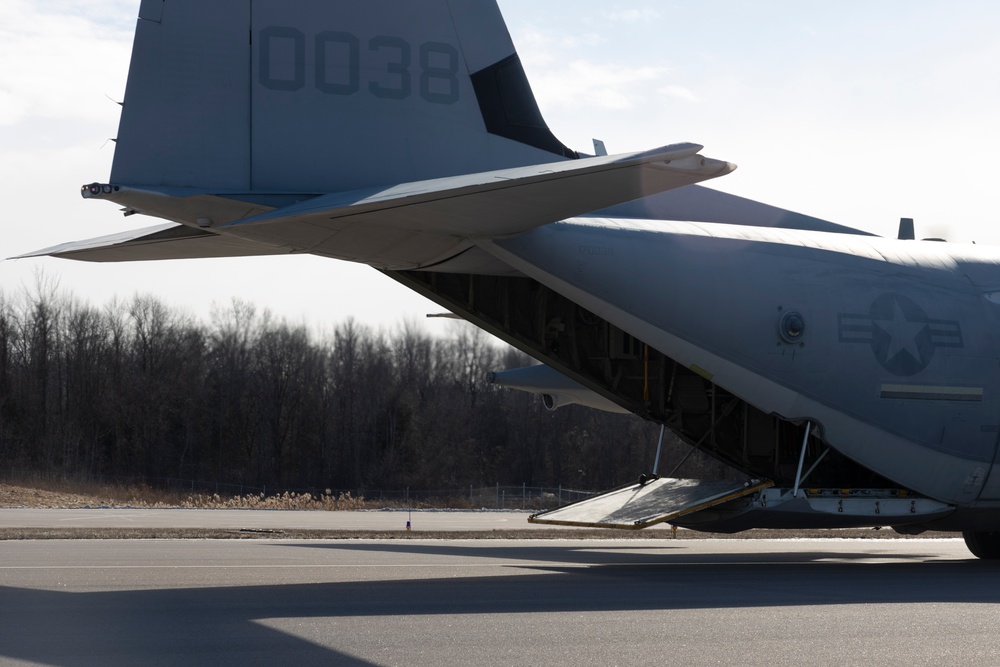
(645, 504)
(894, 314)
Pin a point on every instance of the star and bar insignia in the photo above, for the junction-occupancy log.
(902, 337)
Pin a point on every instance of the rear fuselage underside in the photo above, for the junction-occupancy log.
(736, 337)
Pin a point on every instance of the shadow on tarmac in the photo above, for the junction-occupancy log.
(217, 625)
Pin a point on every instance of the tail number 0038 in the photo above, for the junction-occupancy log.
(337, 58)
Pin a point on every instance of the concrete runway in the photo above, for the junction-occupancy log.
(375, 520)
(497, 602)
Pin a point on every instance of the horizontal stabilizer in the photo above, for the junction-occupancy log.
(702, 204)
(166, 241)
(417, 224)
(641, 505)
(556, 389)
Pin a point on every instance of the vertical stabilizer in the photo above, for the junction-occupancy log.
(323, 96)
(186, 114)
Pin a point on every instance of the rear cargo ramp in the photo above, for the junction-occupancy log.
(640, 505)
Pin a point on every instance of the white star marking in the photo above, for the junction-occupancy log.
(903, 334)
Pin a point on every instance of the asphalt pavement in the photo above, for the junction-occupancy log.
(496, 602)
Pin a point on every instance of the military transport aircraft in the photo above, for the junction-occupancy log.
(855, 380)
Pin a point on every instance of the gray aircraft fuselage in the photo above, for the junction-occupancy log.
(893, 353)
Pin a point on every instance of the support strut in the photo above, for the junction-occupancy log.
(802, 459)
(659, 447)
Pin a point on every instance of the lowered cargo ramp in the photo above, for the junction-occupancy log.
(641, 505)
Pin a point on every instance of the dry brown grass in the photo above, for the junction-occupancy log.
(285, 501)
(47, 493)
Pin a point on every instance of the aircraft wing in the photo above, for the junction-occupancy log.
(166, 241)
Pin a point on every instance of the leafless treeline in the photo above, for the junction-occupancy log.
(137, 388)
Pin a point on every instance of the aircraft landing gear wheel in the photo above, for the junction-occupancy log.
(985, 545)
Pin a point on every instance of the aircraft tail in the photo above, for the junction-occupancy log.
(319, 96)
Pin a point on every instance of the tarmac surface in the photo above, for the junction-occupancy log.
(221, 519)
(494, 602)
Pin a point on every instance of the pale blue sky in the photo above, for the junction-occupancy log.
(857, 112)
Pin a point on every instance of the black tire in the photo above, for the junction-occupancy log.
(985, 545)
